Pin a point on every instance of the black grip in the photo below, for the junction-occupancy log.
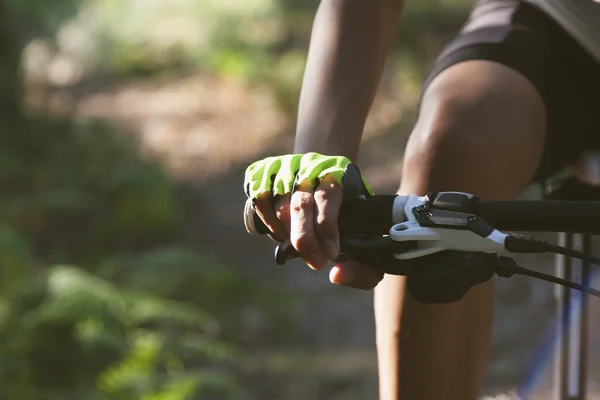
(542, 215)
(371, 216)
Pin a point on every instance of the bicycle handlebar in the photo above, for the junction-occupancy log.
(541, 215)
(447, 242)
(372, 216)
(375, 215)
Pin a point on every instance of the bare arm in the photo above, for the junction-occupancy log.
(349, 45)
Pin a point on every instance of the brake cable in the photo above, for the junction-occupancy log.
(531, 244)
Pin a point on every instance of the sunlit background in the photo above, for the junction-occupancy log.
(126, 270)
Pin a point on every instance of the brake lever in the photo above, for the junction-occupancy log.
(351, 247)
(443, 277)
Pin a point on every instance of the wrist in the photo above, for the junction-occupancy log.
(327, 144)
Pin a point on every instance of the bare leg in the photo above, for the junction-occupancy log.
(481, 130)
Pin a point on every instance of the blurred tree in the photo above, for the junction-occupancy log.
(10, 88)
(85, 309)
(38, 18)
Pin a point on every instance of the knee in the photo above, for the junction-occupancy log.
(448, 147)
(486, 137)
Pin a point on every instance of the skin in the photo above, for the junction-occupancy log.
(476, 116)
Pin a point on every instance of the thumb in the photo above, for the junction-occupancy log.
(355, 274)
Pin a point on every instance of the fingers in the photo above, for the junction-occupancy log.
(328, 201)
(275, 213)
(302, 227)
(264, 208)
(309, 218)
(355, 274)
(282, 211)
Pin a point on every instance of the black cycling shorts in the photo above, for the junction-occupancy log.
(524, 38)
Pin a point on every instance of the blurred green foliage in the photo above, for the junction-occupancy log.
(254, 40)
(137, 36)
(66, 333)
(80, 189)
(259, 41)
(97, 298)
(135, 319)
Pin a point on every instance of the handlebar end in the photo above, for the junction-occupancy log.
(250, 218)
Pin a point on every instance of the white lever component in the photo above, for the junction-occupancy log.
(432, 240)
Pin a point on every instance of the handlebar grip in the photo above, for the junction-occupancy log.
(252, 221)
(372, 215)
(541, 215)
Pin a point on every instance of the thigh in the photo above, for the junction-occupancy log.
(566, 78)
(481, 129)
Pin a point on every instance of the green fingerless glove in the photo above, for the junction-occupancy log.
(282, 174)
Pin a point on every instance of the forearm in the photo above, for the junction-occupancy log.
(349, 45)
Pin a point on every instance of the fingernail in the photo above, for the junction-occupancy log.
(347, 277)
(316, 261)
(330, 248)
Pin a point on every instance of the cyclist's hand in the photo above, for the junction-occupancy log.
(299, 196)
(355, 274)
